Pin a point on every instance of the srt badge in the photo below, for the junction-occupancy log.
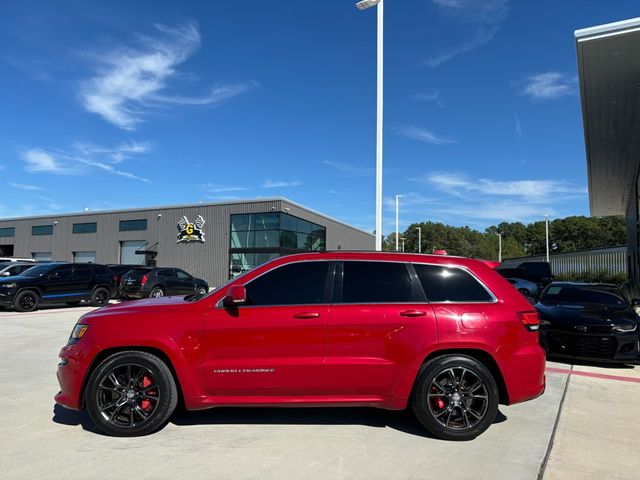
(190, 232)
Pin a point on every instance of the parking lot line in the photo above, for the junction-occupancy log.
(603, 376)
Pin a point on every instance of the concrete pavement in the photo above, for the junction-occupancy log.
(41, 440)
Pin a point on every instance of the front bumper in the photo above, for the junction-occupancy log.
(75, 361)
(6, 297)
(599, 347)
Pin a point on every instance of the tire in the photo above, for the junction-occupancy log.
(201, 291)
(73, 304)
(100, 297)
(156, 292)
(141, 399)
(26, 301)
(450, 411)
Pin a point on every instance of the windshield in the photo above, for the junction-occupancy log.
(38, 270)
(580, 295)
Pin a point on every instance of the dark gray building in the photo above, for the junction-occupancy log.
(212, 241)
(609, 75)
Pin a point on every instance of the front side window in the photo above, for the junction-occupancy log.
(183, 275)
(300, 283)
(62, 273)
(445, 284)
(376, 282)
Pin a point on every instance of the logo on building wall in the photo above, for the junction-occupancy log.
(190, 232)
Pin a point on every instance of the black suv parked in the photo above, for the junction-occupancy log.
(68, 283)
(143, 282)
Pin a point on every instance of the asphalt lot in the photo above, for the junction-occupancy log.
(584, 426)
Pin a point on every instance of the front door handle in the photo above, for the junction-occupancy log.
(413, 313)
(306, 315)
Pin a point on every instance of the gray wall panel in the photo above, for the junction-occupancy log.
(209, 260)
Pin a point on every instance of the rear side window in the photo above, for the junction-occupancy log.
(102, 271)
(444, 284)
(376, 282)
(300, 283)
(166, 273)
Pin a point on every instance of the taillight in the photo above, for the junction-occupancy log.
(530, 320)
(115, 279)
(145, 277)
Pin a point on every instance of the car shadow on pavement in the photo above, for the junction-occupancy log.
(66, 416)
(403, 421)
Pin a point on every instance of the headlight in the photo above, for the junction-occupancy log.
(8, 285)
(625, 328)
(78, 332)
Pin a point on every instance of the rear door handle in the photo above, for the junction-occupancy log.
(413, 313)
(306, 315)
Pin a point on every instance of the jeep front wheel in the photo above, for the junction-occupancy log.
(130, 394)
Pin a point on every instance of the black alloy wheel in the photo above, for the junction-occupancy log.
(130, 394)
(456, 397)
(26, 301)
(100, 297)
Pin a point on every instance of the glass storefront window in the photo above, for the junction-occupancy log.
(268, 235)
(265, 221)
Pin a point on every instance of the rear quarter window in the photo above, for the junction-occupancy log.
(447, 284)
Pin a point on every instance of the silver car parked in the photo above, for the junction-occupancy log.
(525, 287)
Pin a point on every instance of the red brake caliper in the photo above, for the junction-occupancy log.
(146, 404)
(438, 401)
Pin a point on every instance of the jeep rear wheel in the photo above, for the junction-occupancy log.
(26, 301)
(131, 393)
(100, 297)
(456, 397)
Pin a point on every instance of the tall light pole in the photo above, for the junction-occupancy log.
(362, 5)
(419, 239)
(397, 220)
(499, 247)
(546, 228)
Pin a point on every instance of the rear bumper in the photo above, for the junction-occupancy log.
(523, 368)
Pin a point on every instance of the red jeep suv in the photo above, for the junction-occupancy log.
(448, 336)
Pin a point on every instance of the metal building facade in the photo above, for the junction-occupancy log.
(208, 260)
(612, 260)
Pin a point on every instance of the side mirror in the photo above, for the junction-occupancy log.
(6, 274)
(236, 295)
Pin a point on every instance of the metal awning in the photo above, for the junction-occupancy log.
(609, 74)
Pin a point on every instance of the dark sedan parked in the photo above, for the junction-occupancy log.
(588, 322)
(143, 282)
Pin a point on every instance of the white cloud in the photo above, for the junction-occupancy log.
(217, 188)
(484, 17)
(518, 126)
(529, 191)
(280, 184)
(82, 158)
(549, 85)
(38, 160)
(350, 170)
(430, 96)
(24, 186)
(130, 82)
(423, 135)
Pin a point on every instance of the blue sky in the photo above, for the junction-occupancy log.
(131, 104)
